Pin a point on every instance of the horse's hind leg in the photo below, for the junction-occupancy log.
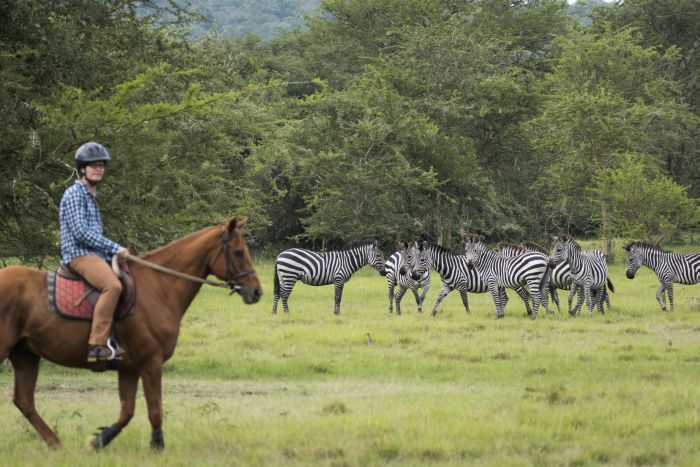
(128, 383)
(26, 369)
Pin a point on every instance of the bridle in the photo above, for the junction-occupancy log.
(231, 275)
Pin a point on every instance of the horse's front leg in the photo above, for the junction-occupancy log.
(128, 383)
(152, 374)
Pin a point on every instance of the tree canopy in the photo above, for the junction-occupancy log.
(378, 118)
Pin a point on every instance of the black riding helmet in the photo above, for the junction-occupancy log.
(89, 153)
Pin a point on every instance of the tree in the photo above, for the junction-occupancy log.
(636, 201)
(608, 95)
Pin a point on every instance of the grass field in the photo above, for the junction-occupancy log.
(246, 387)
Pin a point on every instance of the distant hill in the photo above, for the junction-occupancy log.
(582, 10)
(265, 18)
(268, 18)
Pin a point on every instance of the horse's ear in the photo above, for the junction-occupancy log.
(233, 223)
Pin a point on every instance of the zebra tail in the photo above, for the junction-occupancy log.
(277, 281)
(610, 285)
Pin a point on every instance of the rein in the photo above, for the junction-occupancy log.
(230, 283)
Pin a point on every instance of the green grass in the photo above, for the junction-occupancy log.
(246, 387)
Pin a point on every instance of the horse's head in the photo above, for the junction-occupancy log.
(234, 265)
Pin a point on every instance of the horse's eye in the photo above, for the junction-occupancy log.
(238, 254)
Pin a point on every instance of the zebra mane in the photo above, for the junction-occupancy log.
(503, 245)
(442, 249)
(535, 247)
(357, 245)
(569, 239)
(646, 245)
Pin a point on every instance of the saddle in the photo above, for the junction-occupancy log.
(70, 296)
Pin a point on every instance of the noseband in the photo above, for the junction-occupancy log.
(232, 275)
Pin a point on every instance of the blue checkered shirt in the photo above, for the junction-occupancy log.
(81, 225)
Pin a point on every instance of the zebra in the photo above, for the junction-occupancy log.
(589, 272)
(499, 272)
(510, 250)
(560, 274)
(315, 268)
(398, 271)
(455, 274)
(669, 267)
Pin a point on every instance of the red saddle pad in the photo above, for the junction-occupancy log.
(76, 299)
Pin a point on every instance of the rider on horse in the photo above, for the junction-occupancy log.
(86, 250)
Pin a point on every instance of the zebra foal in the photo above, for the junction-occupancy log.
(315, 268)
(670, 267)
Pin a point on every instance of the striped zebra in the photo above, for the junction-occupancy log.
(398, 272)
(670, 267)
(560, 275)
(510, 250)
(589, 273)
(314, 268)
(499, 272)
(455, 274)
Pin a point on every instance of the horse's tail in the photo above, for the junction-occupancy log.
(277, 281)
(610, 285)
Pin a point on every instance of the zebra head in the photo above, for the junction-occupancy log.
(375, 257)
(407, 255)
(421, 260)
(563, 247)
(473, 250)
(634, 259)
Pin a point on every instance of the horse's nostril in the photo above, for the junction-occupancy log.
(258, 293)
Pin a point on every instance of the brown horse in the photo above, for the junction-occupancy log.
(29, 331)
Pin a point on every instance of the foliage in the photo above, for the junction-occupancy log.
(638, 202)
(379, 118)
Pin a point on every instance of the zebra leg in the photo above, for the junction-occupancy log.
(600, 298)
(589, 299)
(662, 301)
(669, 290)
(606, 297)
(391, 297)
(465, 300)
(522, 293)
(570, 298)
(443, 293)
(399, 297)
(275, 299)
(579, 300)
(497, 294)
(555, 297)
(339, 295)
(417, 297)
(422, 298)
(536, 298)
(285, 292)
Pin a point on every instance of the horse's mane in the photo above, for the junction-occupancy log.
(535, 247)
(646, 245)
(174, 243)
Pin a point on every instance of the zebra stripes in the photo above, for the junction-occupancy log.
(589, 271)
(499, 272)
(670, 267)
(314, 268)
(399, 268)
(455, 275)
